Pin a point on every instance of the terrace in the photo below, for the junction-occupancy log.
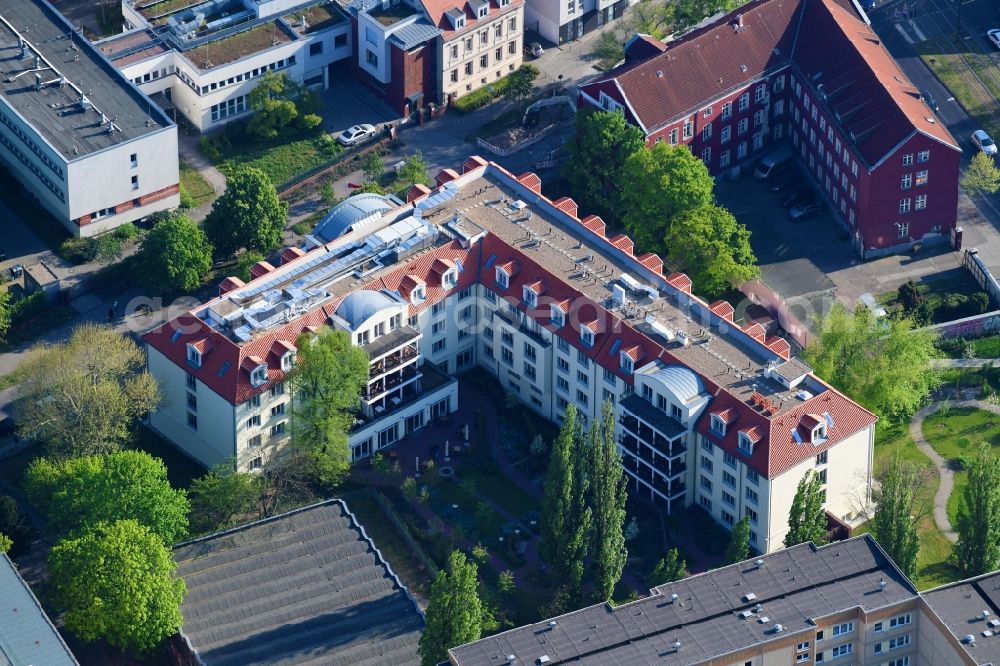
(316, 18)
(238, 46)
(393, 14)
(154, 10)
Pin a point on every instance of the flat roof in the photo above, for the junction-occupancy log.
(317, 17)
(304, 587)
(795, 589)
(26, 634)
(961, 606)
(70, 68)
(223, 51)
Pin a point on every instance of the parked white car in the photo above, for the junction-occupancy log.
(356, 134)
(982, 140)
(994, 36)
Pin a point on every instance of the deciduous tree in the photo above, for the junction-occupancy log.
(454, 612)
(598, 151)
(659, 184)
(670, 568)
(982, 176)
(978, 547)
(894, 525)
(115, 581)
(280, 103)
(85, 395)
(328, 377)
(713, 248)
(414, 170)
(14, 525)
(77, 492)
(249, 214)
(521, 83)
(245, 262)
(566, 518)
(220, 497)
(738, 548)
(606, 499)
(806, 518)
(882, 363)
(374, 166)
(174, 256)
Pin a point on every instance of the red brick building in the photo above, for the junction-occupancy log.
(813, 74)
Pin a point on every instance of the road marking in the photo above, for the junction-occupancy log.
(920, 36)
(904, 34)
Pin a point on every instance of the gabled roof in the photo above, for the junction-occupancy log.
(825, 39)
(437, 9)
(706, 63)
(305, 587)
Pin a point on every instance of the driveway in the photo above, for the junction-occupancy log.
(346, 103)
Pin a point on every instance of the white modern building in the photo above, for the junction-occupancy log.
(83, 141)
(201, 59)
(561, 21)
(486, 271)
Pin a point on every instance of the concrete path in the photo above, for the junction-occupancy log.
(944, 472)
(187, 148)
(964, 362)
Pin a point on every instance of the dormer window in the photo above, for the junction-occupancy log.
(288, 361)
(718, 425)
(258, 377)
(745, 444)
(503, 279)
(586, 336)
(193, 355)
(449, 279)
(419, 293)
(558, 316)
(484, 11)
(626, 363)
(530, 297)
(819, 434)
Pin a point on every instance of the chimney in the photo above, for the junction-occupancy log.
(739, 21)
(38, 81)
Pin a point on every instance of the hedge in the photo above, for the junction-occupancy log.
(480, 98)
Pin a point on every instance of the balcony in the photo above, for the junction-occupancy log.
(394, 360)
(429, 380)
(379, 387)
(663, 446)
(390, 342)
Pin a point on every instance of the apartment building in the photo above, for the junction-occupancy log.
(485, 271)
(79, 137)
(201, 59)
(435, 50)
(561, 21)
(841, 604)
(811, 75)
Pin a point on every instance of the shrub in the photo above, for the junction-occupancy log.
(483, 96)
(78, 250)
(187, 201)
(27, 307)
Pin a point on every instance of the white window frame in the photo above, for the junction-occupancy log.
(502, 278)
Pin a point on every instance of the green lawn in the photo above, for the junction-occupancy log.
(281, 161)
(957, 433)
(932, 561)
(200, 190)
(968, 74)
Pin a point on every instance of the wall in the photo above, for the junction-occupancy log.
(848, 473)
(881, 194)
(214, 441)
(468, 48)
(412, 72)
(59, 207)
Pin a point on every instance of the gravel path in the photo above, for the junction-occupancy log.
(947, 484)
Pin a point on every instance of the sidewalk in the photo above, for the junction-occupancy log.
(187, 148)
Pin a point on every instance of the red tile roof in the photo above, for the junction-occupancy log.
(875, 100)
(531, 181)
(723, 309)
(653, 262)
(445, 176)
(417, 191)
(640, 47)
(473, 162)
(291, 254)
(436, 12)
(680, 281)
(828, 41)
(623, 243)
(594, 223)
(706, 63)
(566, 205)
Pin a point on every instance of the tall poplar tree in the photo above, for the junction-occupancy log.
(893, 525)
(606, 499)
(807, 519)
(978, 547)
(566, 518)
(454, 612)
(739, 542)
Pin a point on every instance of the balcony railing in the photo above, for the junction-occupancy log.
(393, 361)
(382, 386)
(652, 438)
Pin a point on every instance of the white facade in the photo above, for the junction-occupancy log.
(561, 21)
(212, 96)
(479, 57)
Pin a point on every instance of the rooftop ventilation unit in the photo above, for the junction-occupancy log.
(673, 598)
(993, 623)
(750, 597)
(778, 628)
(519, 205)
(803, 395)
(759, 563)
(630, 282)
(745, 615)
(618, 295)
(544, 659)
(677, 646)
(552, 624)
(986, 614)
(970, 639)
(763, 619)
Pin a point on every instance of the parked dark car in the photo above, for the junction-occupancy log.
(786, 182)
(929, 100)
(796, 196)
(805, 210)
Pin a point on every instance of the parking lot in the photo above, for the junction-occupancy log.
(811, 263)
